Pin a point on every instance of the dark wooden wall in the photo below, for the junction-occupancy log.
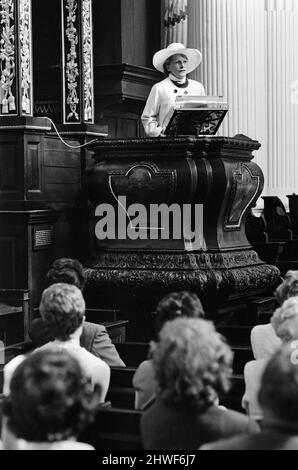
(126, 31)
(126, 35)
(41, 184)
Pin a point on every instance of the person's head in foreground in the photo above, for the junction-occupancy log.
(50, 399)
(62, 308)
(288, 288)
(176, 59)
(68, 271)
(285, 320)
(178, 305)
(193, 364)
(278, 394)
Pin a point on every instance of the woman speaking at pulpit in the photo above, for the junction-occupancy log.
(175, 61)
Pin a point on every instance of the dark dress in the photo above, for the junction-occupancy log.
(269, 439)
(164, 427)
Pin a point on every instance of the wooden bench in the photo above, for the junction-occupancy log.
(10, 352)
(121, 393)
(116, 330)
(114, 429)
(134, 353)
(14, 315)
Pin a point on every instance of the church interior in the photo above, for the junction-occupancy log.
(75, 78)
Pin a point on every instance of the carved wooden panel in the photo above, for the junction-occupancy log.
(8, 250)
(34, 167)
(8, 167)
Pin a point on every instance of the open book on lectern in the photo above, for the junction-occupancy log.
(197, 115)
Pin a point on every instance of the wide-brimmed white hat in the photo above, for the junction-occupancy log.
(194, 56)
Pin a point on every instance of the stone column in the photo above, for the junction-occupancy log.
(77, 62)
(16, 83)
(249, 58)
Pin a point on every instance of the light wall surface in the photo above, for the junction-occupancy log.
(250, 57)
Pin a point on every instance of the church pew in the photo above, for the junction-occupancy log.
(236, 334)
(121, 393)
(11, 351)
(134, 353)
(114, 429)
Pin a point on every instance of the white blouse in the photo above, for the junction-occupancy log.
(161, 101)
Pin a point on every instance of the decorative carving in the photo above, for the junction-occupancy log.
(50, 109)
(175, 147)
(88, 61)
(144, 182)
(25, 57)
(174, 261)
(195, 123)
(7, 57)
(230, 271)
(71, 60)
(245, 188)
(16, 62)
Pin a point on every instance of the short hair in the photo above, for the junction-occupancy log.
(192, 363)
(50, 398)
(176, 305)
(62, 308)
(169, 60)
(288, 288)
(285, 320)
(278, 391)
(68, 271)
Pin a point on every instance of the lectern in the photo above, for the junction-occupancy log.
(196, 115)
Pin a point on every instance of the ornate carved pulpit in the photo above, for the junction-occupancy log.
(214, 174)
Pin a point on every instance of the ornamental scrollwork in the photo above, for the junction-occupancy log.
(25, 56)
(7, 57)
(87, 60)
(72, 67)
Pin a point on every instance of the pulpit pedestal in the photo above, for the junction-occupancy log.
(215, 173)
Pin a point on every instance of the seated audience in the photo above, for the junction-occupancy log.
(175, 305)
(95, 337)
(193, 367)
(285, 324)
(62, 308)
(278, 398)
(50, 402)
(264, 341)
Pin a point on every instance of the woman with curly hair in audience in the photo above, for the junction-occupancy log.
(285, 325)
(174, 305)
(264, 341)
(278, 397)
(193, 367)
(49, 403)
